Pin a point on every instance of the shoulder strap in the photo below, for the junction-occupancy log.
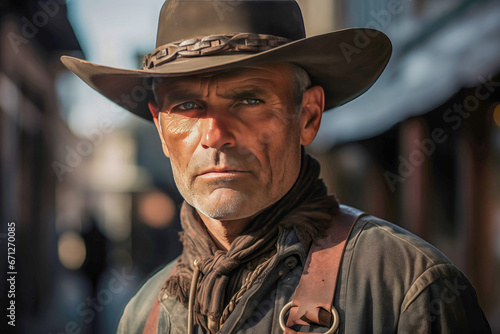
(151, 326)
(314, 295)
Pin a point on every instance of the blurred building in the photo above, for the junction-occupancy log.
(31, 40)
(92, 222)
(422, 147)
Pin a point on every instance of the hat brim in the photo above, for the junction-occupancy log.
(344, 62)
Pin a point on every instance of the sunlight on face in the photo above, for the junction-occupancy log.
(233, 139)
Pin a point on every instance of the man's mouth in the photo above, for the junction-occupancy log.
(223, 172)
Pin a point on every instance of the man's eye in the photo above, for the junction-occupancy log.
(186, 106)
(251, 102)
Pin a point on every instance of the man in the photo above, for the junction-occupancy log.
(235, 99)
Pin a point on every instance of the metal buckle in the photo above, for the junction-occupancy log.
(331, 330)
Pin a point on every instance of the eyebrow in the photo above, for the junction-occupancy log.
(247, 91)
(178, 95)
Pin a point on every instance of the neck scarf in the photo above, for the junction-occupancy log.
(306, 207)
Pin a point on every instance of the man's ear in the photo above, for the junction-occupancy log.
(154, 111)
(313, 105)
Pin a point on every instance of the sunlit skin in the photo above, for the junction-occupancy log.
(233, 139)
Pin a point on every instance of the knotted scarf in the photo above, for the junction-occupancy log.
(306, 207)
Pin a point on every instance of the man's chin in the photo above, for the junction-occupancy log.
(225, 208)
(223, 212)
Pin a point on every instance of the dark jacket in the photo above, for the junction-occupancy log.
(390, 282)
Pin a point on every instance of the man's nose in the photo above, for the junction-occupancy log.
(217, 132)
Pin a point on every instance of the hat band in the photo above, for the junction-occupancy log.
(209, 45)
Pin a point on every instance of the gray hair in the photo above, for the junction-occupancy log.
(302, 82)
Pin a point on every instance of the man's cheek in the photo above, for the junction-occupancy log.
(180, 178)
(176, 125)
(247, 148)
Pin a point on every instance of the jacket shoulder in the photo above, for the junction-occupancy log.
(384, 270)
(383, 254)
(383, 239)
(137, 310)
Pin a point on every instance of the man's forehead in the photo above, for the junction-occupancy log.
(247, 74)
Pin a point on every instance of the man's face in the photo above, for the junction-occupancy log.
(233, 138)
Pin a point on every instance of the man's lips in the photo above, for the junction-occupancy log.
(222, 172)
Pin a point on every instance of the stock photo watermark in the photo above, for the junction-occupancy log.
(89, 308)
(453, 116)
(30, 26)
(422, 318)
(380, 19)
(74, 156)
(11, 273)
(84, 148)
(222, 8)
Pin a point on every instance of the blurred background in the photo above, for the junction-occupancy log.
(91, 193)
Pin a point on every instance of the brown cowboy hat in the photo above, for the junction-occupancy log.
(203, 36)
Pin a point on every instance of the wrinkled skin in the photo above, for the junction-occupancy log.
(234, 138)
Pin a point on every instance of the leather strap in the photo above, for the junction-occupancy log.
(209, 45)
(315, 292)
(314, 295)
(151, 326)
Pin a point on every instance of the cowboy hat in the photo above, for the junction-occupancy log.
(204, 36)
